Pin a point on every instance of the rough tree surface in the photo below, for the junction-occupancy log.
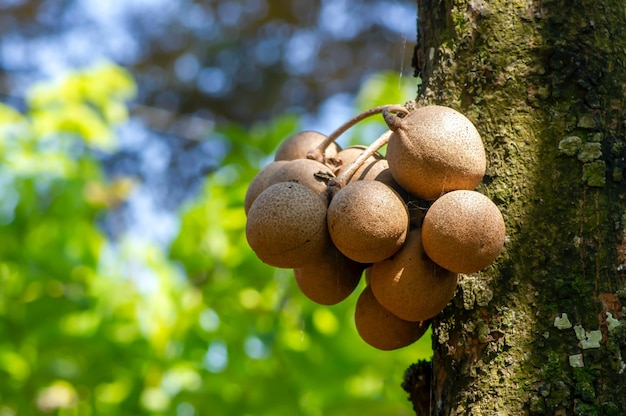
(543, 330)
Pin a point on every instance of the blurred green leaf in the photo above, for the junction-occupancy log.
(92, 326)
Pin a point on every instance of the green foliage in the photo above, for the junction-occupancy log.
(286, 355)
(90, 326)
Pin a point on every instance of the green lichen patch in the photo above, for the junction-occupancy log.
(594, 173)
(475, 291)
(587, 121)
(590, 152)
(570, 145)
(584, 387)
(585, 409)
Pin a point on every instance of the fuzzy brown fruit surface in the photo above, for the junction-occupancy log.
(348, 155)
(433, 150)
(310, 173)
(286, 226)
(260, 182)
(380, 328)
(410, 285)
(331, 279)
(297, 146)
(463, 231)
(367, 221)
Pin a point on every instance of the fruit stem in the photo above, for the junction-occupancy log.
(338, 182)
(393, 115)
(319, 152)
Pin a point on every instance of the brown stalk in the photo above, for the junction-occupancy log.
(319, 152)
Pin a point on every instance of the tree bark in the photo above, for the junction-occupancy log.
(543, 330)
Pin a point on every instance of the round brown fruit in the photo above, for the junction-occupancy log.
(463, 231)
(367, 221)
(348, 155)
(260, 182)
(377, 169)
(410, 285)
(433, 150)
(380, 328)
(298, 145)
(307, 172)
(331, 279)
(286, 226)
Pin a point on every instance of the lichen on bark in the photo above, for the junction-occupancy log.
(544, 82)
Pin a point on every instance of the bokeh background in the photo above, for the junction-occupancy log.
(128, 133)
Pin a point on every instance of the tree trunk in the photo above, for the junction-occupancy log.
(543, 330)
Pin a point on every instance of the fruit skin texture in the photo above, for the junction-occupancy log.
(433, 150)
(286, 226)
(297, 146)
(367, 221)
(410, 285)
(310, 173)
(260, 182)
(331, 279)
(348, 155)
(463, 231)
(380, 328)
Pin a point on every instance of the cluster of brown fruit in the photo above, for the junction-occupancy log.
(410, 221)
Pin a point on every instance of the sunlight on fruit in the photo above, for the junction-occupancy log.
(310, 219)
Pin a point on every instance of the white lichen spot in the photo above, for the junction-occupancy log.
(562, 322)
(621, 362)
(509, 317)
(576, 360)
(580, 332)
(611, 322)
(443, 331)
(475, 292)
(591, 340)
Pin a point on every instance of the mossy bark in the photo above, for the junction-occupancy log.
(542, 330)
